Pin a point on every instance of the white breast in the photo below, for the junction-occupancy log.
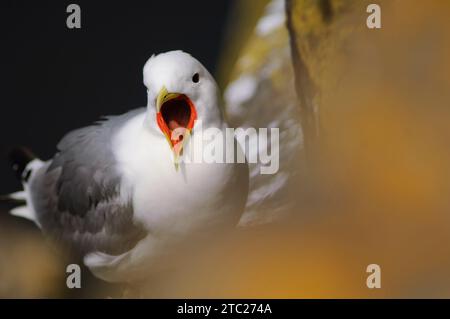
(170, 201)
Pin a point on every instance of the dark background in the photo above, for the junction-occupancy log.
(55, 79)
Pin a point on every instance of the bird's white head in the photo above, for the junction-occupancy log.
(180, 92)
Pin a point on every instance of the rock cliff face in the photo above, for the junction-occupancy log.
(261, 94)
(284, 71)
(364, 155)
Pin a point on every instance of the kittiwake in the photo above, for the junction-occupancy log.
(116, 194)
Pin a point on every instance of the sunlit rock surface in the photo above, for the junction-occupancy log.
(261, 95)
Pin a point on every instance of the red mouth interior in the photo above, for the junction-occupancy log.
(176, 113)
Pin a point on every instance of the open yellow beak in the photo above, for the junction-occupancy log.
(164, 97)
(175, 115)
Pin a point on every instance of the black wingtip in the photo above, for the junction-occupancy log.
(19, 157)
(8, 203)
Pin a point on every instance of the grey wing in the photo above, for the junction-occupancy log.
(76, 196)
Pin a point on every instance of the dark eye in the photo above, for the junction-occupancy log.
(196, 78)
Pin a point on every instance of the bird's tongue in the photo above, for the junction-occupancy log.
(173, 124)
(176, 137)
(176, 118)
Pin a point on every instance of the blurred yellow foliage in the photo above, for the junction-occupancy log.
(28, 268)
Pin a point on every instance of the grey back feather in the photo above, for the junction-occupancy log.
(76, 196)
(88, 168)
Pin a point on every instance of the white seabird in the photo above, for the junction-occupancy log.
(112, 192)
